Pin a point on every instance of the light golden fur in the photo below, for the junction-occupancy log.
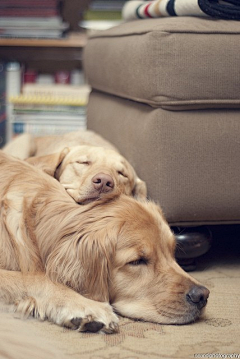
(74, 264)
(89, 155)
(78, 167)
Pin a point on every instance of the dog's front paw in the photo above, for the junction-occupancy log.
(88, 324)
(99, 318)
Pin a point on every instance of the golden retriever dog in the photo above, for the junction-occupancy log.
(89, 171)
(77, 266)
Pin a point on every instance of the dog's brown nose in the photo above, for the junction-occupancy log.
(198, 295)
(103, 182)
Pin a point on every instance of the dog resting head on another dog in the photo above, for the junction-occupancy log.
(124, 250)
(89, 173)
(118, 250)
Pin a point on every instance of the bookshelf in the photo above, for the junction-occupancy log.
(75, 39)
(45, 56)
(65, 49)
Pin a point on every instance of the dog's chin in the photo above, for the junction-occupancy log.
(99, 196)
(133, 311)
(87, 200)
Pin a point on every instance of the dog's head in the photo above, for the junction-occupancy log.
(90, 173)
(123, 253)
(155, 287)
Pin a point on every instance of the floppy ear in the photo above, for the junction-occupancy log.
(95, 256)
(49, 163)
(82, 263)
(140, 189)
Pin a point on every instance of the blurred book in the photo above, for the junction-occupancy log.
(47, 31)
(47, 125)
(44, 4)
(62, 92)
(104, 10)
(49, 109)
(42, 108)
(46, 119)
(102, 15)
(31, 19)
(51, 22)
(3, 113)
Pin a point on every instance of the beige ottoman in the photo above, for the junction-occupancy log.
(166, 92)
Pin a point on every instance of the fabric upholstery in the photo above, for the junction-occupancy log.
(189, 160)
(173, 63)
(166, 93)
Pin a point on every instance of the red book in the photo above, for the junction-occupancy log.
(29, 3)
(41, 12)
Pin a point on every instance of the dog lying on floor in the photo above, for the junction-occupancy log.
(89, 171)
(74, 265)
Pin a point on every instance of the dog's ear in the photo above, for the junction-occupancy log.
(140, 189)
(49, 163)
(83, 264)
(95, 255)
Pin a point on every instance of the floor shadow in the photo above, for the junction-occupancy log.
(225, 247)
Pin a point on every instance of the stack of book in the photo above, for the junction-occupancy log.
(40, 108)
(2, 104)
(31, 19)
(49, 109)
(102, 15)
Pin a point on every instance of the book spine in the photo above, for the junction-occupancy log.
(27, 12)
(13, 79)
(46, 128)
(3, 114)
(13, 88)
(45, 113)
(29, 3)
(65, 91)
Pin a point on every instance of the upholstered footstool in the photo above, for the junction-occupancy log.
(166, 93)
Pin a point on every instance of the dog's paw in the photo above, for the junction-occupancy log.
(88, 324)
(95, 320)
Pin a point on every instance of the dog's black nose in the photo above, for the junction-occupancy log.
(103, 182)
(198, 295)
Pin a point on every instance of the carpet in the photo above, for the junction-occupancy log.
(216, 335)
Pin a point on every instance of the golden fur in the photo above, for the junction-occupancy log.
(74, 264)
(82, 164)
(89, 156)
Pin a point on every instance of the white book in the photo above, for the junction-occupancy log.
(46, 129)
(48, 118)
(58, 90)
(31, 21)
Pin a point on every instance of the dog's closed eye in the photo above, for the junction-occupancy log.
(87, 163)
(137, 262)
(122, 174)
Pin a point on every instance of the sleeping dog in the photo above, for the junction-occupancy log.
(79, 265)
(93, 168)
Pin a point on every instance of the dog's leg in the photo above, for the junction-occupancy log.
(36, 295)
